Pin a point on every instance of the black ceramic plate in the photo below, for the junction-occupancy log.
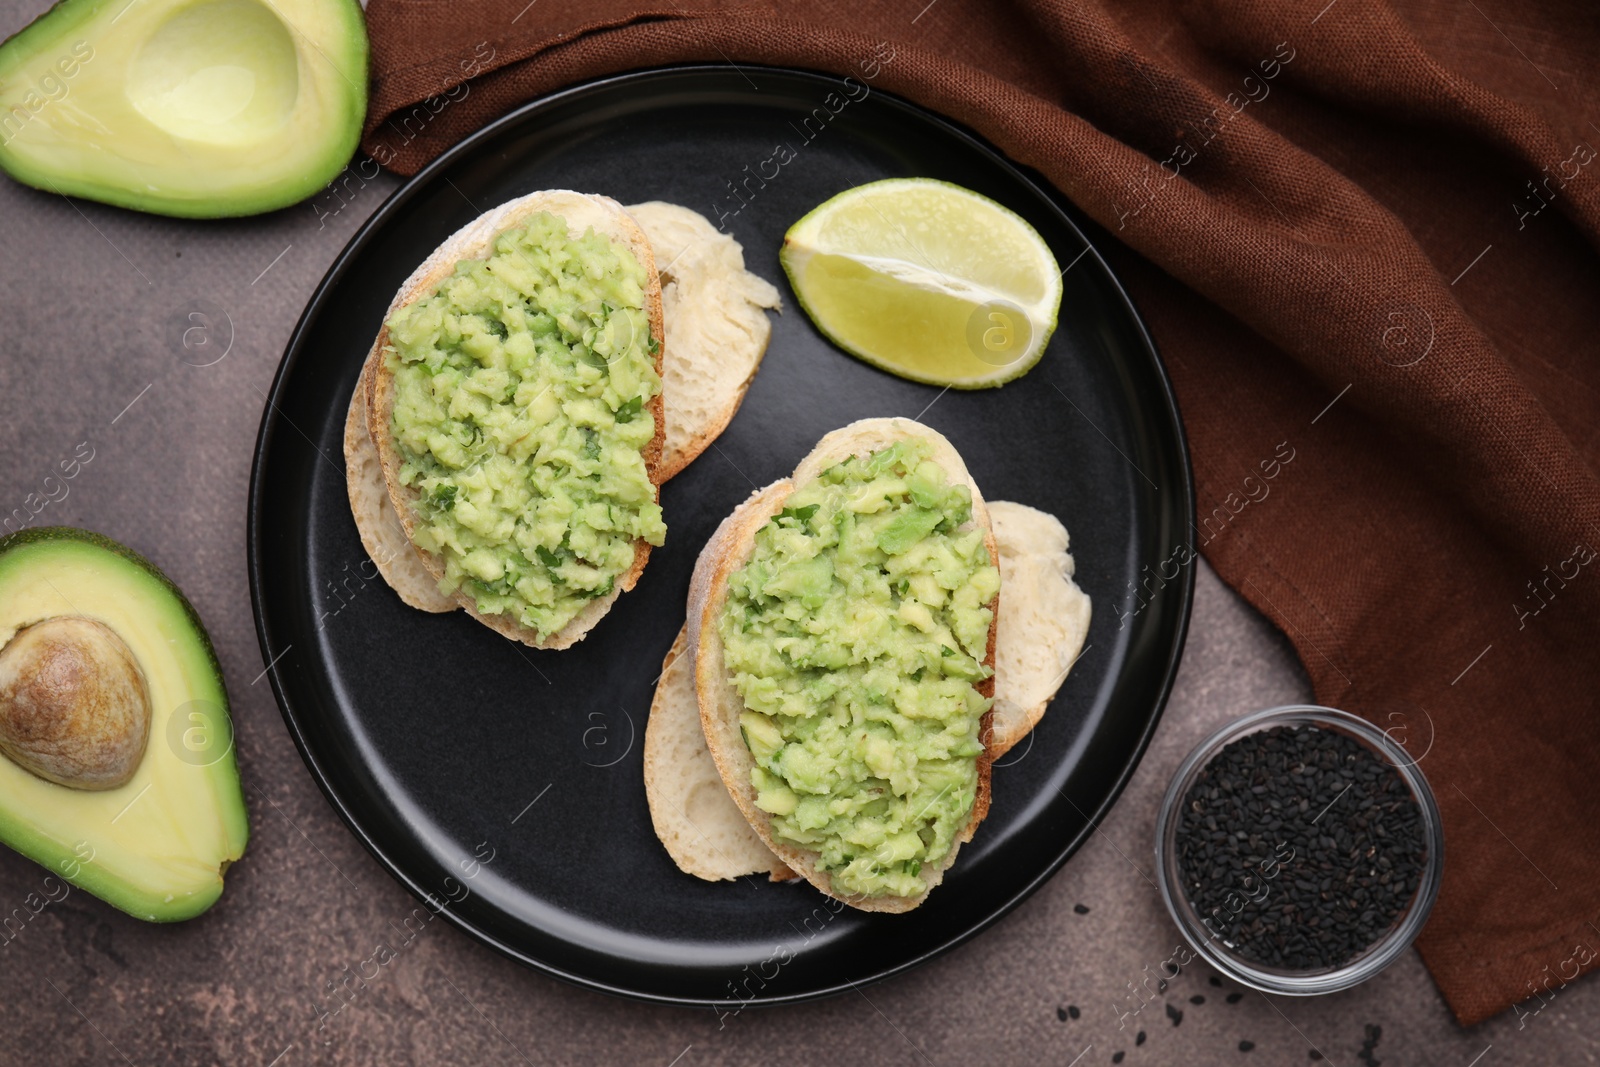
(506, 782)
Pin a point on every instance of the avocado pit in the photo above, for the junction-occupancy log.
(74, 706)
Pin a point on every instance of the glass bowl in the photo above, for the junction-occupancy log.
(1211, 947)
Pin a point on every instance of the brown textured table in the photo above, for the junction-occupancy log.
(96, 304)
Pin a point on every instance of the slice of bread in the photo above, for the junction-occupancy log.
(581, 212)
(1042, 621)
(720, 703)
(717, 326)
(716, 332)
(1039, 632)
(689, 806)
(385, 540)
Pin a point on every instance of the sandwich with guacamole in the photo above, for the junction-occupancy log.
(864, 639)
(1040, 627)
(527, 395)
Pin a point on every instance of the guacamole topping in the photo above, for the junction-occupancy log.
(520, 418)
(855, 633)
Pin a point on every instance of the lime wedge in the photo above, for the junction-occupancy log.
(926, 280)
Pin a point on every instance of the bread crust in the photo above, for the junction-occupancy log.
(720, 703)
(474, 241)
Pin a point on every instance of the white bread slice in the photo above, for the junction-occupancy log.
(716, 333)
(1042, 622)
(1040, 629)
(581, 212)
(385, 540)
(720, 703)
(689, 806)
(717, 328)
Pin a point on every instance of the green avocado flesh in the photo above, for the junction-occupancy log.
(520, 413)
(855, 633)
(157, 846)
(198, 108)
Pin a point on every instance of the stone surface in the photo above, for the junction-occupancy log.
(98, 304)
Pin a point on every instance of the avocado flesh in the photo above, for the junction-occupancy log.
(199, 109)
(160, 843)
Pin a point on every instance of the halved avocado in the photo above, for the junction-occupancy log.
(198, 108)
(157, 845)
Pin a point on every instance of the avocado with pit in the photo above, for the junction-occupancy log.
(117, 770)
(195, 108)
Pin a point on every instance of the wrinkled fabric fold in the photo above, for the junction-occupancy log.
(1364, 238)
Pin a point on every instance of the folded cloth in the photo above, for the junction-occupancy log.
(1364, 237)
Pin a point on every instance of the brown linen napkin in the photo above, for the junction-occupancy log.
(1364, 237)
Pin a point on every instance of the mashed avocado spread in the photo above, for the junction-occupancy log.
(855, 633)
(519, 414)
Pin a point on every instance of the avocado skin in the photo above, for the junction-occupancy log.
(50, 28)
(142, 902)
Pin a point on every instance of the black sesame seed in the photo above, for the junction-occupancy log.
(1369, 1046)
(1216, 981)
(1116, 1057)
(1061, 1013)
(1138, 1039)
(1081, 909)
(1072, 1010)
(1234, 998)
(1175, 1015)
(1316, 1055)
(1300, 847)
(1197, 999)
(1246, 1046)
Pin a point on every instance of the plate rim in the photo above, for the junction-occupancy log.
(256, 532)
